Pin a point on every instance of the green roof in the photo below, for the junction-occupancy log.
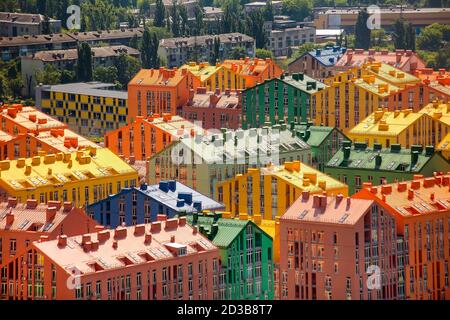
(318, 133)
(228, 229)
(303, 82)
(393, 159)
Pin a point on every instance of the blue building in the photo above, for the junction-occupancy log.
(142, 205)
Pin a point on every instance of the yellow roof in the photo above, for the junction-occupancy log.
(303, 177)
(385, 123)
(62, 168)
(376, 85)
(203, 70)
(391, 74)
(438, 111)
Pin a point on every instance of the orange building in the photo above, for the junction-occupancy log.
(27, 132)
(331, 247)
(252, 71)
(23, 223)
(164, 260)
(158, 91)
(422, 211)
(436, 83)
(148, 135)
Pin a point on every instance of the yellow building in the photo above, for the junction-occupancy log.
(444, 147)
(270, 191)
(393, 127)
(81, 177)
(354, 94)
(439, 114)
(90, 109)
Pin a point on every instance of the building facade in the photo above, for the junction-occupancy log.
(270, 191)
(356, 164)
(292, 98)
(330, 248)
(246, 254)
(202, 162)
(81, 177)
(90, 109)
(143, 204)
(282, 41)
(178, 51)
(422, 214)
(146, 136)
(13, 24)
(164, 260)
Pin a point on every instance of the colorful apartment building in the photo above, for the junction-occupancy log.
(270, 191)
(324, 141)
(356, 93)
(338, 248)
(404, 60)
(438, 113)
(215, 109)
(402, 127)
(444, 147)
(201, 162)
(164, 260)
(233, 74)
(246, 254)
(80, 177)
(158, 91)
(90, 109)
(23, 223)
(290, 98)
(436, 83)
(356, 164)
(422, 212)
(148, 135)
(143, 204)
(318, 63)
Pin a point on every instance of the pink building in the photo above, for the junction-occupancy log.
(405, 60)
(166, 259)
(328, 246)
(214, 109)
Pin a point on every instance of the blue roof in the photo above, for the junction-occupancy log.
(180, 197)
(328, 56)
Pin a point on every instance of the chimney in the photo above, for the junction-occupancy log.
(171, 224)
(67, 206)
(103, 235)
(213, 99)
(50, 214)
(12, 202)
(339, 198)
(161, 217)
(139, 229)
(32, 203)
(316, 201)
(148, 238)
(305, 195)
(9, 217)
(120, 232)
(115, 244)
(172, 238)
(62, 241)
(172, 185)
(432, 196)
(53, 203)
(182, 221)
(402, 186)
(194, 230)
(155, 227)
(410, 194)
(349, 202)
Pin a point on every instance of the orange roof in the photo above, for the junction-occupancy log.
(247, 66)
(64, 140)
(159, 77)
(126, 246)
(414, 198)
(30, 118)
(324, 209)
(31, 216)
(5, 137)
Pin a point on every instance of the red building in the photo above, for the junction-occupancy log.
(422, 211)
(166, 259)
(330, 247)
(23, 223)
(215, 109)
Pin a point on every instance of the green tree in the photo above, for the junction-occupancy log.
(16, 85)
(134, 42)
(255, 28)
(175, 17)
(46, 25)
(268, 11)
(182, 12)
(149, 50)
(68, 76)
(127, 67)
(362, 33)
(216, 51)
(3, 87)
(238, 53)
(399, 34)
(84, 64)
(106, 74)
(199, 24)
(160, 13)
(49, 75)
(430, 38)
(410, 37)
(297, 9)
(264, 53)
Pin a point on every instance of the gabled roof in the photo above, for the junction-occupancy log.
(327, 56)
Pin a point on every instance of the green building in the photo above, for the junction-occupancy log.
(246, 256)
(293, 97)
(356, 164)
(324, 141)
